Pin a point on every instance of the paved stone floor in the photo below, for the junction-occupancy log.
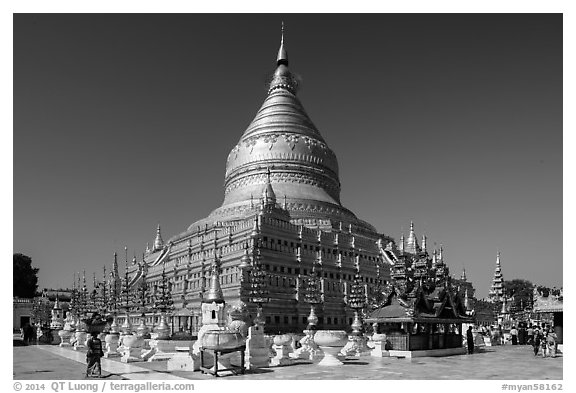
(496, 363)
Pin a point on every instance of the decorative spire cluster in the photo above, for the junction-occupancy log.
(162, 297)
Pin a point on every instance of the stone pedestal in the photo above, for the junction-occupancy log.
(130, 355)
(257, 350)
(166, 349)
(64, 336)
(330, 358)
(379, 349)
(282, 348)
(308, 349)
(80, 340)
(282, 357)
(330, 342)
(181, 360)
(131, 348)
(356, 346)
(111, 348)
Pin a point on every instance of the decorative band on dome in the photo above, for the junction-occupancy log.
(284, 86)
(285, 82)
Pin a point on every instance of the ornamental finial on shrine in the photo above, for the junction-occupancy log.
(158, 242)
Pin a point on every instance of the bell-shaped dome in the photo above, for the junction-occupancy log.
(281, 154)
(283, 138)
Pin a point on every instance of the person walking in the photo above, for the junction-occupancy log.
(501, 335)
(93, 355)
(521, 334)
(551, 343)
(514, 334)
(26, 333)
(470, 340)
(530, 335)
(543, 343)
(536, 341)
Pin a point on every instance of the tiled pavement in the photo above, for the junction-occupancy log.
(496, 363)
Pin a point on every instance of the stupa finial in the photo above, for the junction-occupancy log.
(158, 242)
(282, 54)
(215, 292)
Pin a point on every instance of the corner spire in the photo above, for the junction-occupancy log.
(215, 292)
(158, 242)
(268, 195)
(282, 54)
(424, 243)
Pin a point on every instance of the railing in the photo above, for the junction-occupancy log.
(422, 342)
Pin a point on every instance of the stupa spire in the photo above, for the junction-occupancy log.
(466, 301)
(463, 276)
(245, 261)
(412, 242)
(57, 303)
(282, 54)
(268, 194)
(283, 78)
(215, 292)
(115, 265)
(158, 242)
(441, 254)
(424, 243)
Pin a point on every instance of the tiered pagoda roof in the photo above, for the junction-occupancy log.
(496, 293)
(421, 289)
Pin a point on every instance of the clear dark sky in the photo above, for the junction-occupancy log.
(454, 121)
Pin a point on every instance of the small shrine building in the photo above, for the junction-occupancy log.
(422, 312)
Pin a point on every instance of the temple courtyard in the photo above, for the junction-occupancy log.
(50, 362)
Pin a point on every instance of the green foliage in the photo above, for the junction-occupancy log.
(25, 277)
(522, 293)
(42, 311)
(487, 308)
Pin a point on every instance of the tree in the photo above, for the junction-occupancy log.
(42, 311)
(521, 291)
(25, 277)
